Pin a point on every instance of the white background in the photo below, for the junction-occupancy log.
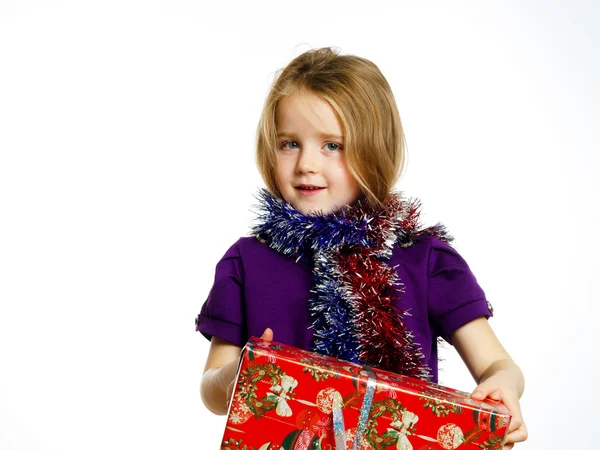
(127, 169)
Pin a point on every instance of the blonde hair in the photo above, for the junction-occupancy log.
(360, 95)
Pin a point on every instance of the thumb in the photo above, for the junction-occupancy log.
(267, 335)
(485, 390)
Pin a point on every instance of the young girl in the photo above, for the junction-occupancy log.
(338, 262)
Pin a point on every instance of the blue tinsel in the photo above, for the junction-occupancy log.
(287, 230)
(290, 231)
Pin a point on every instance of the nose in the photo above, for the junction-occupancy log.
(308, 160)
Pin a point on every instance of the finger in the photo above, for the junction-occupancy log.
(519, 435)
(484, 391)
(267, 335)
(512, 404)
(508, 446)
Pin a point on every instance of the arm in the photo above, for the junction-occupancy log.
(496, 374)
(220, 372)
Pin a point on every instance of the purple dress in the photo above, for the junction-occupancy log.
(257, 287)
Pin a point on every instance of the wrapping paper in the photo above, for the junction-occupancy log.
(286, 398)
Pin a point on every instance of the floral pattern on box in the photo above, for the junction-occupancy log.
(285, 399)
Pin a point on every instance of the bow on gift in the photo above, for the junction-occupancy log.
(339, 431)
(280, 395)
(401, 429)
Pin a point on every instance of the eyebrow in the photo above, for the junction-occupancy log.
(321, 135)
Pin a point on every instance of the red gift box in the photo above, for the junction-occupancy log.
(291, 399)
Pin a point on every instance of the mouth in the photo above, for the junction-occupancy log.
(309, 187)
(308, 190)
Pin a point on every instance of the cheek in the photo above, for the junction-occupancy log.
(278, 166)
(282, 161)
(282, 171)
(343, 176)
(347, 180)
(354, 189)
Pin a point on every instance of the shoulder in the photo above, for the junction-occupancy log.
(250, 245)
(251, 250)
(242, 253)
(431, 240)
(431, 253)
(422, 245)
(244, 244)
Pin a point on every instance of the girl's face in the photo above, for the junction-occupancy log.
(311, 168)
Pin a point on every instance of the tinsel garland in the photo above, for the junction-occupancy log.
(354, 291)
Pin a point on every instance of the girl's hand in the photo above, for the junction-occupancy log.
(499, 387)
(497, 375)
(268, 336)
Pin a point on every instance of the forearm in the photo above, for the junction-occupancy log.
(509, 370)
(213, 388)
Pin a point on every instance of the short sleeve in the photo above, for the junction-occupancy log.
(454, 297)
(222, 314)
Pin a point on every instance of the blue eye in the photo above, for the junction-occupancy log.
(286, 144)
(335, 146)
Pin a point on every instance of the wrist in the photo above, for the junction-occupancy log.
(509, 371)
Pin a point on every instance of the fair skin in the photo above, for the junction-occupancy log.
(496, 374)
(220, 372)
(313, 176)
(311, 169)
